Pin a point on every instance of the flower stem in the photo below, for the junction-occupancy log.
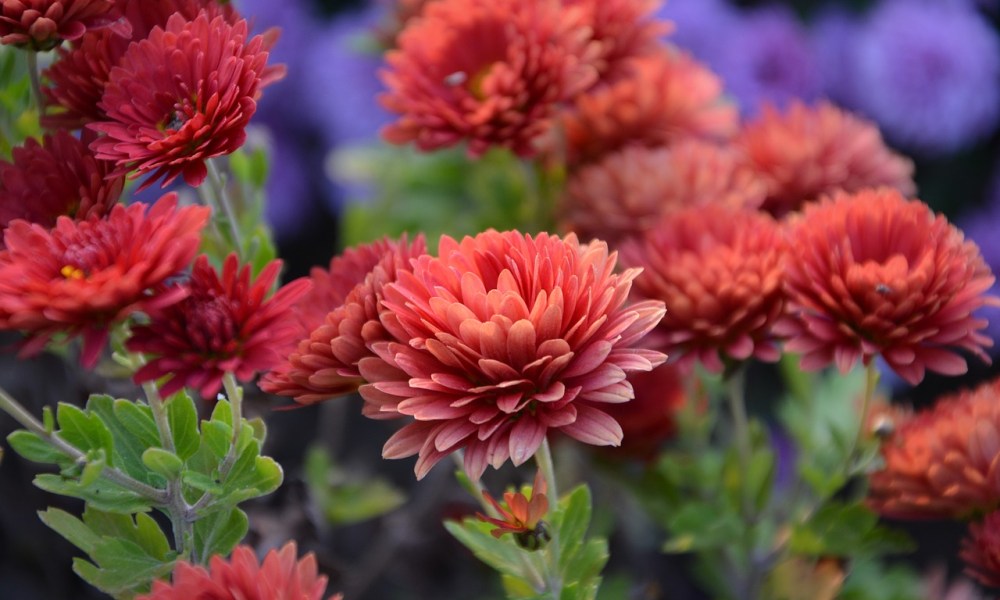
(224, 203)
(177, 507)
(871, 382)
(235, 394)
(36, 85)
(748, 584)
(551, 571)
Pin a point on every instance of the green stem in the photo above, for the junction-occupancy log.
(235, 394)
(224, 202)
(177, 507)
(748, 586)
(36, 84)
(871, 382)
(551, 570)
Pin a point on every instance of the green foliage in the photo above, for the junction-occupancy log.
(18, 116)
(846, 529)
(343, 499)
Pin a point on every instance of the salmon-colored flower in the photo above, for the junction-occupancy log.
(874, 273)
(658, 100)
(281, 576)
(489, 72)
(651, 418)
(627, 192)
(522, 515)
(807, 152)
(941, 463)
(228, 323)
(83, 277)
(981, 550)
(622, 29)
(718, 269)
(43, 24)
(181, 96)
(501, 338)
(339, 319)
(60, 176)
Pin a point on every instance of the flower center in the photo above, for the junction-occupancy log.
(71, 272)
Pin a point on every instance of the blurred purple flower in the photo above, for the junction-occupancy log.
(981, 226)
(700, 26)
(288, 187)
(832, 35)
(929, 73)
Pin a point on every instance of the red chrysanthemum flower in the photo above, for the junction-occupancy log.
(941, 463)
(60, 176)
(650, 419)
(502, 338)
(622, 29)
(226, 324)
(44, 24)
(808, 152)
(281, 576)
(522, 515)
(325, 363)
(874, 273)
(181, 96)
(489, 72)
(719, 271)
(659, 99)
(627, 192)
(82, 277)
(981, 550)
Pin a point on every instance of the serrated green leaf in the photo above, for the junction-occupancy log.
(140, 529)
(122, 566)
(83, 430)
(101, 494)
(183, 417)
(32, 447)
(96, 462)
(132, 430)
(163, 462)
(219, 532)
(71, 528)
(501, 554)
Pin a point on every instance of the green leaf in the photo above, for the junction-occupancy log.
(83, 430)
(162, 461)
(219, 532)
(71, 528)
(702, 526)
(183, 417)
(502, 554)
(846, 529)
(132, 430)
(96, 462)
(102, 494)
(32, 447)
(216, 436)
(573, 520)
(121, 566)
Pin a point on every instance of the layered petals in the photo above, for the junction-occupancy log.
(622, 30)
(981, 551)
(44, 24)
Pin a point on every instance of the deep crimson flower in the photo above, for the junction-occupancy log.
(281, 576)
(523, 514)
(873, 273)
(627, 192)
(658, 100)
(339, 319)
(718, 269)
(226, 324)
(182, 96)
(82, 277)
(60, 176)
(942, 462)
(981, 550)
(490, 72)
(501, 338)
(807, 152)
(622, 29)
(651, 418)
(43, 24)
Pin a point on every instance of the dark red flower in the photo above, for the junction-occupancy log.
(981, 550)
(281, 576)
(874, 273)
(43, 24)
(181, 96)
(60, 176)
(501, 338)
(226, 324)
(489, 72)
(83, 277)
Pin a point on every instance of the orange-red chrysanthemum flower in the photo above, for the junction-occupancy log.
(806, 152)
(874, 273)
(622, 29)
(43, 24)
(181, 96)
(942, 462)
(627, 192)
(489, 72)
(981, 550)
(60, 176)
(719, 270)
(501, 338)
(658, 100)
(325, 362)
(523, 513)
(281, 576)
(228, 323)
(82, 277)
(651, 418)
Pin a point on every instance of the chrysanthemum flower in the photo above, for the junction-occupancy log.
(82, 277)
(339, 319)
(981, 550)
(650, 419)
(941, 462)
(281, 576)
(226, 324)
(60, 176)
(523, 514)
(718, 269)
(626, 192)
(807, 152)
(622, 29)
(662, 98)
(180, 97)
(874, 273)
(43, 24)
(501, 338)
(490, 72)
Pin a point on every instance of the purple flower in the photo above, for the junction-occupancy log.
(700, 26)
(832, 36)
(981, 227)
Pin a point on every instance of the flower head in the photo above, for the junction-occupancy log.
(622, 30)
(60, 176)
(940, 463)
(660, 99)
(718, 270)
(981, 551)
(281, 576)
(180, 97)
(82, 277)
(627, 192)
(43, 24)
(501, 338)
(522, 516)
(226, 324)
(490, 72)
(807, 152)
(875, 273)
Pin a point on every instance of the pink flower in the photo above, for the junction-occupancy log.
(43, 24)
